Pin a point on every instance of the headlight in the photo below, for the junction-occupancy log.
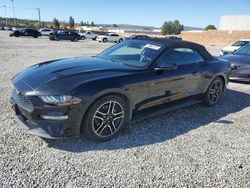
(60, 100)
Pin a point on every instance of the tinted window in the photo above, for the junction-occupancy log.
(114, 35)
(240, 43)
(244, 50)
(180, 56)
(132, 53)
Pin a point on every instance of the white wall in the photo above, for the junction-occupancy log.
(238, 22)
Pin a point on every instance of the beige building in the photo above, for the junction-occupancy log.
(237, 22)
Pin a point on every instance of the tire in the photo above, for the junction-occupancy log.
(56, 38)
(105, 40)
(105, 118)
(120, 40)
(94, 38)
(35, 36)
(214, 92)
(83, 37)
(75, 40)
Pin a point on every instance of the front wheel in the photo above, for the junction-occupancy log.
(105, 40)
(120, 40)
(214, 92)
(105, 118)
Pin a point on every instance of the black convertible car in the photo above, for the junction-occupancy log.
(26, 32)
(64, 35)
(240, 63)
(97, 96)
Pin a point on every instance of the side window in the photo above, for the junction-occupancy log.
(180, 56)
(88, 33)
(114, 35)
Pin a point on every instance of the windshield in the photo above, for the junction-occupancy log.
(240, 43)
(244, 50)
(132, 53)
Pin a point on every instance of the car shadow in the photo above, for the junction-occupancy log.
(163, 127)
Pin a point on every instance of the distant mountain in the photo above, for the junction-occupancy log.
(127, 26)
(186, 28)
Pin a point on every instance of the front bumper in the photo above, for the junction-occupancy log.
(29, 116)
(240, 74)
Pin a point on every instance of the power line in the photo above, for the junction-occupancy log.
(24, 8)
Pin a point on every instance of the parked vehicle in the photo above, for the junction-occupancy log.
(173, 37)
(88, 35)
(45, 31)
(234, 47)
(138, 37)
(7, 28)
(240, 63)
(110, 37)
(64, 35)
(97, 96)
(25, 32)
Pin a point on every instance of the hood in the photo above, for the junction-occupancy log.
(44, 77)
(237, 59)
(231, 48)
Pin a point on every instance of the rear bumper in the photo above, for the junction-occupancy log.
(243, 79)
(241, 75)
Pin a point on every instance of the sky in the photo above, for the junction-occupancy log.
(196, 13)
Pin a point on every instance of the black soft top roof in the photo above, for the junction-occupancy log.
(172, 43)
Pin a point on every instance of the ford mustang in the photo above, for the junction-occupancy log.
(96, 97)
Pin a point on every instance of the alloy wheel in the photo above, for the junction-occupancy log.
(215, 91)
(108, 118)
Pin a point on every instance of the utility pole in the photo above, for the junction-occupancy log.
(14, 12)
(39, 16)
(6, 21)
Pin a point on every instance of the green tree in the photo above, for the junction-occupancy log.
(170, 28)
(115, 25)
(92, 23)
(82, 23)
(56, 23)
(23, 24)
(38, 24)
(71, 22)
(210, 27)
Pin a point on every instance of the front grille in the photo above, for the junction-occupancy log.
(24, 98)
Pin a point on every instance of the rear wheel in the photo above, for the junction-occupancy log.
(104, 40)
(105, 118)
(120, 40)
(75, 39)
(214, 92)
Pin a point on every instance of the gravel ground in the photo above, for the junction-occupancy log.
(191, 147)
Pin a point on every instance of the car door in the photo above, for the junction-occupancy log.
(175, 76)
(27, 32)
(114, 37)
(66, 35)
(88, 35)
